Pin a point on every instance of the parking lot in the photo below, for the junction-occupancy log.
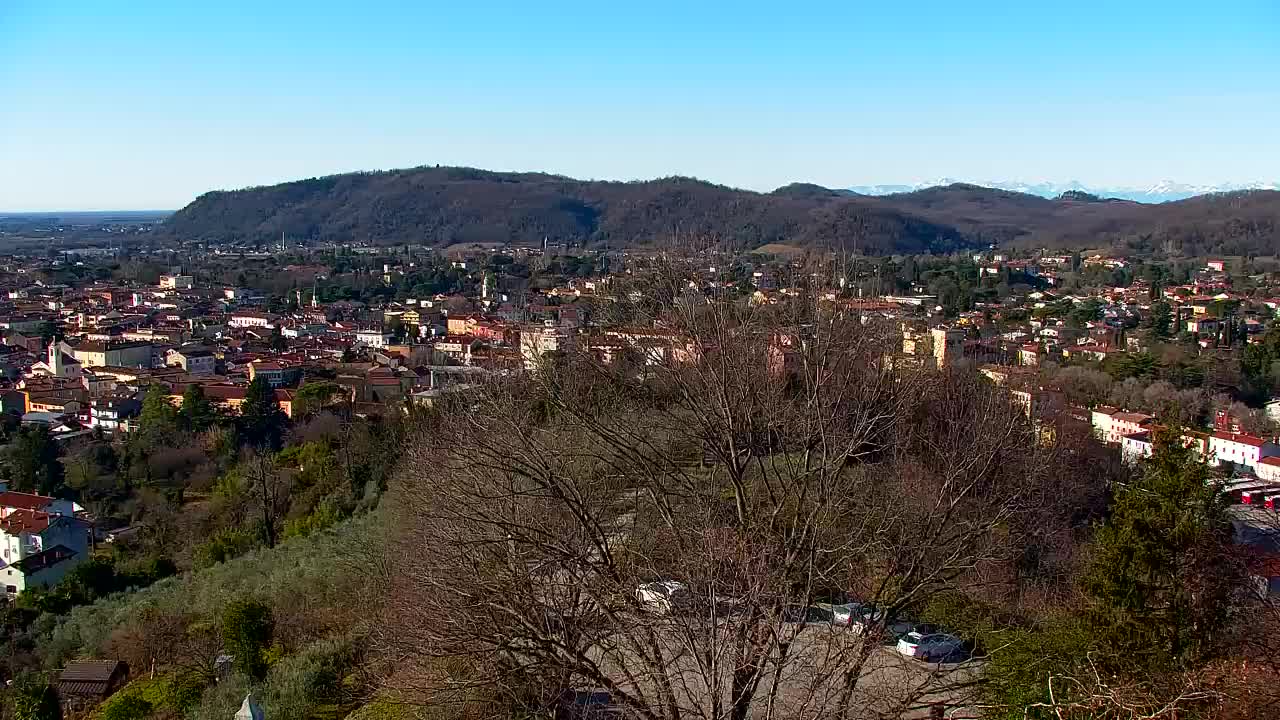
(810, 675)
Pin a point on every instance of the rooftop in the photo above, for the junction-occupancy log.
(1241, 438)
(25, 501)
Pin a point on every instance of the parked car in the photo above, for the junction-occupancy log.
(805, 614)
(842, 613)
(589, 705)
(929, 647)
(869, 616)
(664, 596)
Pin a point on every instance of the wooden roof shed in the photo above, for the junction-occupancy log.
(91, 681)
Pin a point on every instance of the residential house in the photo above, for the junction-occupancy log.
(539, 341)
(42, 540)
(274, 373)
(230, 397)
(1268, 469)
(196, 361)
(1139, 445)
(252, 319)
(1240, 448)
(1136, 446)
(376, 338)
(1029, 355)
(1202, 324)
(114, 414)
(1111, 425)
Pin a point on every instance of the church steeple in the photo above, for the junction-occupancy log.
(56, 368)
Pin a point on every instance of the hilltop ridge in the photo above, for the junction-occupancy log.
(449, 205)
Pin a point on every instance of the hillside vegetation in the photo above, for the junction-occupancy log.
(445, 206)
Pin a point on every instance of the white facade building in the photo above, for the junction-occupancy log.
(251, 319)
(537, 341)
(1135, 447)
(1268, 469)
(1110, 425)
(176, 282)
(373, 338)
(40, 540)
(1240, 449)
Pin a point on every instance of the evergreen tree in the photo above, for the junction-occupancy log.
(158, 420)
(1161, 319)
(247, 628)
(32, 461)
(261, 420)
(1159, 583)
(197, 413)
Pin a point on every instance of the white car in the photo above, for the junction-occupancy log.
(866, 617)
(842, 613)
(933, 647)
(664, 596)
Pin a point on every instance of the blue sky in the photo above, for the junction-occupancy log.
(142, 104)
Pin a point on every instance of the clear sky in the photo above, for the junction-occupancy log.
(145, 104)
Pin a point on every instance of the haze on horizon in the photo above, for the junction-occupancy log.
(147, 106)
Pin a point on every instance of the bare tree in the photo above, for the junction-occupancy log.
(268, 489)
(786, 461)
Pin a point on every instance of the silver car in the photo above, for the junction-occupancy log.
(934, 647)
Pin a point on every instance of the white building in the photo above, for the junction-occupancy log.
(1268, 469)
(176, 282)
(114, 415)
(1240, 449)
(1135, 447)
(373, 338)
(249, 318)
(196, 361)
(539, 340)
(40, 540)
(1110, 425)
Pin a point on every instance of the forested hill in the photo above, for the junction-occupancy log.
(444, 206)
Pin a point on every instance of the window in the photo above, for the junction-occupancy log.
(11, 589)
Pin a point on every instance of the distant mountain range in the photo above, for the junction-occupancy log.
(1163, 191)
(444, 206)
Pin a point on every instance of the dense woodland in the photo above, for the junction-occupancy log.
(445, 206)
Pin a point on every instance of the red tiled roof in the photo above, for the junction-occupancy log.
(1241, 438)
(20, 521)
(1273, 461)
(24, 501)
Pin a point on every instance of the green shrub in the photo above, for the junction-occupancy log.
(322, 517)
(125, 706)
(225, 545)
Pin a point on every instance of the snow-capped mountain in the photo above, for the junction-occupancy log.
(1163, 191)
